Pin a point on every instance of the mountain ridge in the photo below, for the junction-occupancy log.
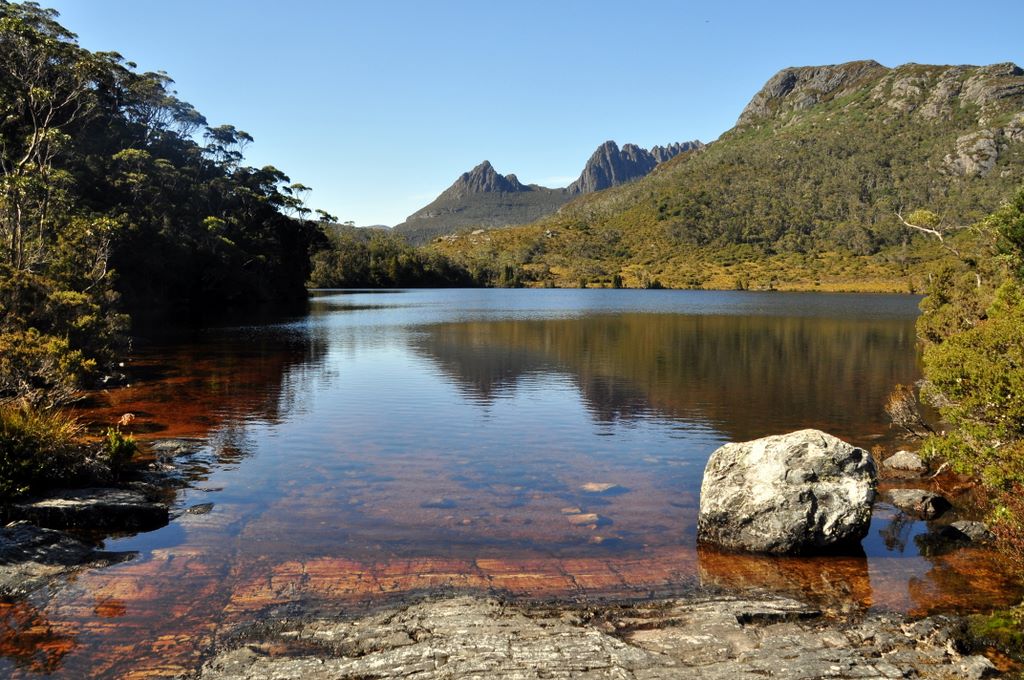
(819, 163)
(484, 198)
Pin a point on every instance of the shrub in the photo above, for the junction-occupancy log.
(118, 449)
(977, 378)
(39, 449)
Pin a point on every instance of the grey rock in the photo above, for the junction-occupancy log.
(176, 447)
(721, 638)
(31, 557)
(793, 89)
(795, 493)
(919, 502)
(904, 461)
(976, 667)
(966, 530)
(200, 509)
(975, 156)
(93, 509)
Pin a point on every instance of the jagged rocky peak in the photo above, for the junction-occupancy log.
(669, 151)
(797, 88)
(484, 179)
(610, 166)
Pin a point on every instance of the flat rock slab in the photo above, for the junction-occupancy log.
(470, 637)
(919, 502)
(905, 461)
(93, 509)
(31, 557)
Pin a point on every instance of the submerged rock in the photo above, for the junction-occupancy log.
(93, 509)
(919, 502)
(31, 557)
(801, 492)
(603, 488)
(176, 447)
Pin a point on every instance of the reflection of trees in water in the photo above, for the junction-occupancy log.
(31, 640)
(896, 532)
(747, 375)
(197, 384)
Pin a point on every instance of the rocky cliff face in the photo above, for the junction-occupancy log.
(796, 89)
(611, 166)
(926, 95)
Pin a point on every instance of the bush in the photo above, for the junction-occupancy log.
(40, 449)
(977, 378)
(118, 449)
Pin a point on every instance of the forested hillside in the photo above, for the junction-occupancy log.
(805, 188)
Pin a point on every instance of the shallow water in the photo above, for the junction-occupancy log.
(388, 443)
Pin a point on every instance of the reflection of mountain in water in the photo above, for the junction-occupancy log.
(746, 375)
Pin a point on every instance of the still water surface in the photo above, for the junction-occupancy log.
(391, 443)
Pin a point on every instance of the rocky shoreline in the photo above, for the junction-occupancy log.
(714, 636)
(49, 537)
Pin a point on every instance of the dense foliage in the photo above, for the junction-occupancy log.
(973, 328)
(117, 196)
(39, 448)
(357, 258)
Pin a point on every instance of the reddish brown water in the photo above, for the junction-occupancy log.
(387, 444)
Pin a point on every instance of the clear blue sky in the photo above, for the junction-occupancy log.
(379, 105)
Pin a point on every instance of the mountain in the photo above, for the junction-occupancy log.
(805, 188)
(481, 198)
(611, 166)
(484, 198)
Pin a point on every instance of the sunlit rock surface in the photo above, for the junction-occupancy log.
(796, 493)
(725, 638)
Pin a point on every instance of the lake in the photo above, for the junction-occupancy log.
(539, 443)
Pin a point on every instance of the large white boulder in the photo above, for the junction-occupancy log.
(802, 492)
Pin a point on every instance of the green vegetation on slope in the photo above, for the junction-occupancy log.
(804, 191)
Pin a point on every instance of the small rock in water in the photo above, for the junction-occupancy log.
(439, 503)
(587, 519)
(176, 447)
(571, 511)
(801, 492)
(925, 504)
(200, 509)
(904, 461)
(966, 530)
(602, 487)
